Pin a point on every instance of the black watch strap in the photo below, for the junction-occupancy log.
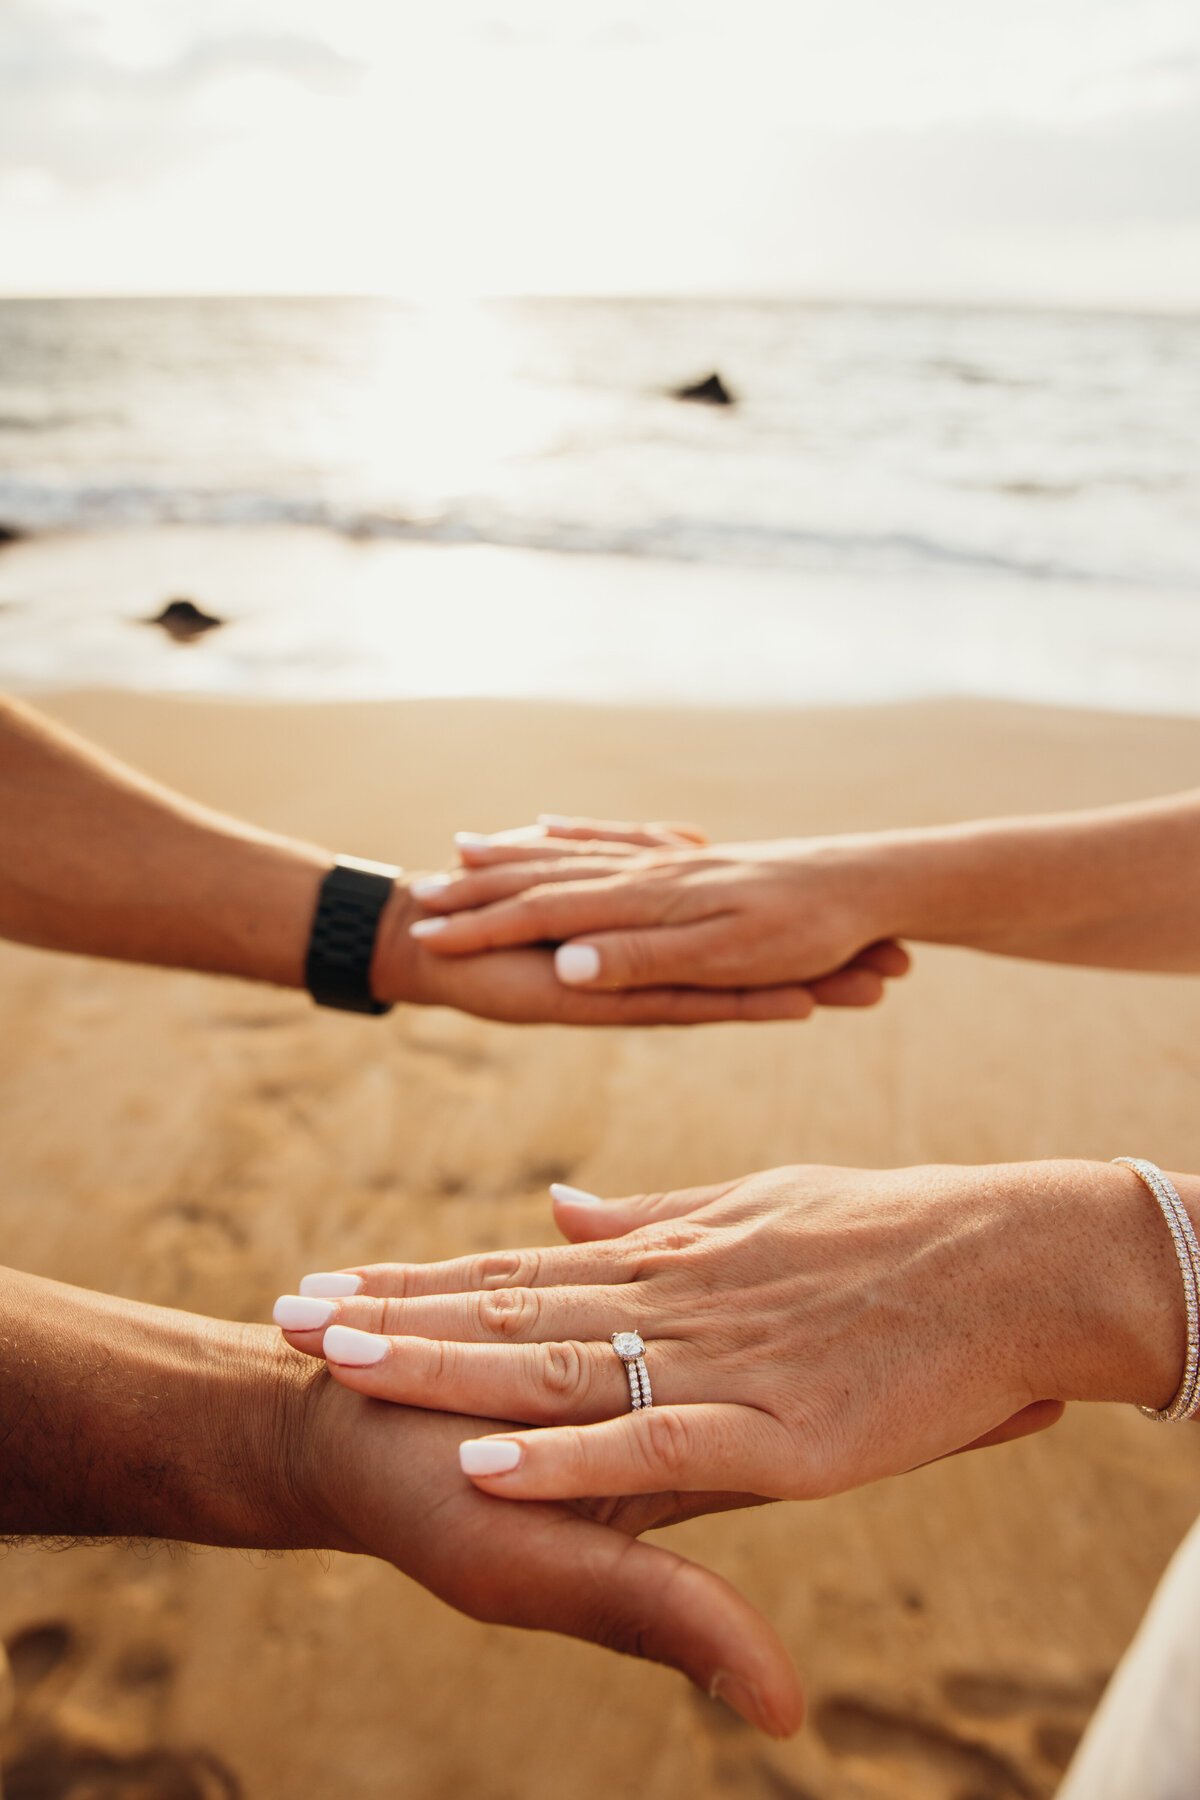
(337, 971)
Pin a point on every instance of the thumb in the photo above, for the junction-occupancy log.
(584, 1217)
(590, 1581)
(656, 956)
(1039, 1416)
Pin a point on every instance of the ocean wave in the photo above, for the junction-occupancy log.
(30, 509)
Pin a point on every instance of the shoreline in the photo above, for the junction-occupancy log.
(314, 616)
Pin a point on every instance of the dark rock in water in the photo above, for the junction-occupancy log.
(183, 620)
(9, 534)
(709, 392)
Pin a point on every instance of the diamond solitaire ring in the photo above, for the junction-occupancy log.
(632, 1352)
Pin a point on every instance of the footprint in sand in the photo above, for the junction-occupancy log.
(1021, 1736)
(46, 1754)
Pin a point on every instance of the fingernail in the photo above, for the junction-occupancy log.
(294, 1313)
(427, 928)
(555, 819)
(744, 1699)
(488, 1456)
(331, 1284)
(355, 1349)
(574, 1196)
(471, 840)
(576, 963)
(429, 885)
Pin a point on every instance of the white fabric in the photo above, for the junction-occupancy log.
(1144, 1741)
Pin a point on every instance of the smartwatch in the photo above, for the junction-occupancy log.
(337, 970)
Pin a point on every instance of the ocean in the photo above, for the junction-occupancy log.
(922, 499)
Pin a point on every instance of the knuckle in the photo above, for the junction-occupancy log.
(626, 1635)
(636, 956)
(506, 1268)
(671, 1239)
(565, 1372)
(509, 1312)
(401, 1279)
(668, 1441)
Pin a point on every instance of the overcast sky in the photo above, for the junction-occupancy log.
(1029, 150)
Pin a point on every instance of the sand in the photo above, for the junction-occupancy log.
(201, 1143)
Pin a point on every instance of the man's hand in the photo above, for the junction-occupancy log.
(387, 1479)
(122, 1420)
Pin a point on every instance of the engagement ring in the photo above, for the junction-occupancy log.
(632, 1352)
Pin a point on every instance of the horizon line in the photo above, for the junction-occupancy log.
(647, 296)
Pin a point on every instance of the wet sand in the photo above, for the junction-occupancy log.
(201, 1143)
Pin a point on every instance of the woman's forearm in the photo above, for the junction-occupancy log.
(1116, 888)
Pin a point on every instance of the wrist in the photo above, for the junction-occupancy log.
(123, 1420)
(1107, 1320)
(943, 885)
(397, 958)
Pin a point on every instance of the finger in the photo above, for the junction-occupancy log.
(888, 958)
(588, 1581)
(696, 954)
(853, 986)
(501, 1316)
(664, 1447)
(586, 1218)
(520, 987)
(541, 1384)
(571, 837)
(1040, 1416)
(550, 912)
(533, 866)
(686, 1006)
(658, 831)
(557, 1265)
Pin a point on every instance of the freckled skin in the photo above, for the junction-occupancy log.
(807, 1329)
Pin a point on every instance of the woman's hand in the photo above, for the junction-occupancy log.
(807, 1329)
(628, 913)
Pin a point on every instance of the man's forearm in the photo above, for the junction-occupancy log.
(95, 858)
(1118, 888)
(123, 1420)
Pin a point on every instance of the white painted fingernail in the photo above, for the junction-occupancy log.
(488, 1456)
(427, 928)
(429, 885)
(574, 1196)
(471, 840)
(331, 1284)
(555, 819)
(355, 1349)
(576, 963)
(293, 1312)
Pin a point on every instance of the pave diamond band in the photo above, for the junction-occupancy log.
(1186, 1403)
(632, 1352)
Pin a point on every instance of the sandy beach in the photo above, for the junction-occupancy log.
(200, 1143)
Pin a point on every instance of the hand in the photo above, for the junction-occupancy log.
(385, 1481)
(808, 1329)
(628, 917)
(124, 1420)
(520, 985)
(576, 836)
